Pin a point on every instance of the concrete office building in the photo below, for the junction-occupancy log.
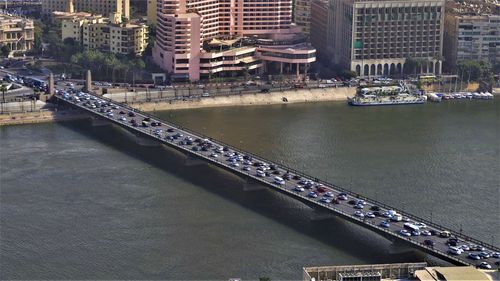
(471, 37)
(17, 33)
(105, 34)
(193, 35)
(103, 7)
(302, 14)
(374, 38)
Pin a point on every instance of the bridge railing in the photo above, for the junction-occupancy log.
(292, 170)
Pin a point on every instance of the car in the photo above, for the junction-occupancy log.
(496, 255)
(246, 168)
(404, 232)
(484, 265)
(234, 164)
(479, 248)
(298, 188)
(352, 202)
(321, 189)
(370, 215)
(205, 95)
(123, 119)
(375, 208)
(358, 206)
(121, 112)
(214, 155)
(260, 173)
(464, 247)
(326, 200)
(415, 233)
(485, 254)
(429, 242)
(359, 214)
(279, 180)
(425, 232)
(329, 194)
(455, 251)
(342, 197)
(296, 177)
(445, 234)
(474, 256)
(312, 194)
(385, 224)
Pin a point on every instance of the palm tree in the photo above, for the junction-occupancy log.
(3, 89)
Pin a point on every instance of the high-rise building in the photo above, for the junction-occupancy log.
(17, 33)
(199, 38)
(375, 38)
(321, 23)
(103, 7)
(302, 14)
(471, 37)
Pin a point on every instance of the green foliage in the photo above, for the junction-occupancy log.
(413, 64)
(107, 66)
(264, 279)
(5, 50)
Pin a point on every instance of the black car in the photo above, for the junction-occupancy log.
(377, 213)
(122, 112)
(375, 208)
(146, 119)
(429, 242)
(272, 167)
(225, 148)
(170, 130)
(286, 176)
(296, 177)
(352, 202)
(276, 172)
(131, 114)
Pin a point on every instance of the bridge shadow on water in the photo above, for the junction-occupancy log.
(333, 231)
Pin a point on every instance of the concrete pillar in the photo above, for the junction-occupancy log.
(281, 67)
(51, 90)
(298, 70)
(88, 82)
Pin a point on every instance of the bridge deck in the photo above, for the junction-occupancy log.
(340, 207)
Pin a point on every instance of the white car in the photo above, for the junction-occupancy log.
(279, 180)
(405, 233)
(329, 194)
(359, 214)
(370, 215)
(484, 265)
(455, 251)
(299, 188)
(426, 233)
(325, 200)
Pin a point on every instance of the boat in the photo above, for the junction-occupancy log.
(434, 97)
(385, 95)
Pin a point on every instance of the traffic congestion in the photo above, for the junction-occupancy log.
(428, 236)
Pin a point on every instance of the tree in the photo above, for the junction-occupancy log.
(3, 89)
(5, 50)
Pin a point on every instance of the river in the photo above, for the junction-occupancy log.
(84, 202)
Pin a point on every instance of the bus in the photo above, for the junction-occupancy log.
(411, 227)
(37, 83)
(427, 78)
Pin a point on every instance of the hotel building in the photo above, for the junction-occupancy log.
(375, 38)
(202, 38)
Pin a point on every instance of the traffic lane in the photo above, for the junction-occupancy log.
(345, 207)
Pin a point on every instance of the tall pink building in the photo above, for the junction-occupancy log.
(202, 38)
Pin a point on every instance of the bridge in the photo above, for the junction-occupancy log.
(325, 197)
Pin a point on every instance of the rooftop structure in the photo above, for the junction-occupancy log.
(185, 28)
(373, 272)
(104, 7)
(17, 33)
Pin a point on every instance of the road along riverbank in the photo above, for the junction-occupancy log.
(292, 96)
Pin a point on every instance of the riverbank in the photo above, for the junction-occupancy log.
(294, 96)
(42, 116)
